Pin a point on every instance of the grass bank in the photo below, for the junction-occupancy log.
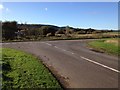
(22, 70)
(109, 45)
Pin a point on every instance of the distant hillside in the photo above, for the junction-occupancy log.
(12, 30)
(56, 28)
(33, 26)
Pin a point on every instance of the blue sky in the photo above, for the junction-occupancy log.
(99, 15)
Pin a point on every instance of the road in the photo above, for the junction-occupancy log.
(79, 66)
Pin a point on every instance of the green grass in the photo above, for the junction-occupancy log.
(22, 70)
(101, 45)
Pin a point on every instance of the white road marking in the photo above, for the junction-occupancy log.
(100, 64)
(67, 51)
(58, 48)
(73, 53)
(52, 41)
(47, 43)
(64, 50)
(5, 43)
(86, 59)
(81, 57)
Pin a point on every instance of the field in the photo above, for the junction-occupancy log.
(22, 70)
(109, 45)
(73, 36)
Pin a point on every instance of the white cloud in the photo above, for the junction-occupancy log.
(7, 10)
(1, 7)
(46, 9)
(4, 8)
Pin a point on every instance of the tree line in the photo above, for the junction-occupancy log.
(12, 30)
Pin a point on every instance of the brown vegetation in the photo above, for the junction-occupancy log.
(14, 31)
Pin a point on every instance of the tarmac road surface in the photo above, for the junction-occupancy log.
(73, 60)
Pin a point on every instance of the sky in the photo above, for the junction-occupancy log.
(97, 15)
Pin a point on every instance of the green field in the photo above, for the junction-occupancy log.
(22, 70)
(109, 45)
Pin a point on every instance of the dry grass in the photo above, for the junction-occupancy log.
(113, 41)
(109, 45)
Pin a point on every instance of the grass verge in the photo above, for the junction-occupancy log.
(22, 70)
(103, 46)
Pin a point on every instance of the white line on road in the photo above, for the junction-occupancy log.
(58, 47)
(87, 59)
(64, 50)
(47, 43)
(100, 64)
(52, 41)
(5, 43)
(73, 53)
(69, 51)
(13, 43)
(92, 61)
(8, 43)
